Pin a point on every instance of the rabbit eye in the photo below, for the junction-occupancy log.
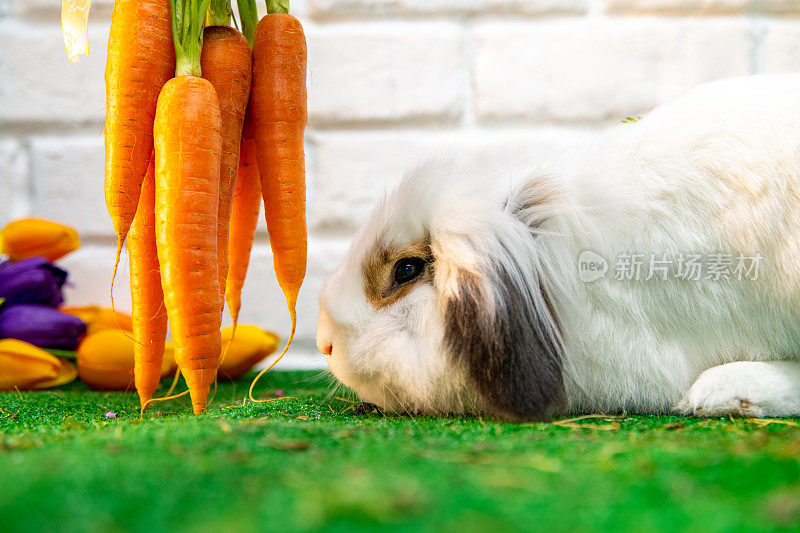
(407, 269)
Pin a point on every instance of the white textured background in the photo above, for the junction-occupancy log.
(391, 83)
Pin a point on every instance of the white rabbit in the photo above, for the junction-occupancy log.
(472, 294)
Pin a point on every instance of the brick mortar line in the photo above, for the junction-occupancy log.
(29, 187)
(455, 17)
(40, 128)
(479, 18)
(596, 9)
(449, 126)
(469, 53)
(108, 240)
(505, 126)
(757, 46)
(103, 16)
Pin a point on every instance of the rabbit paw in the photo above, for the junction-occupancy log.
(745, 389)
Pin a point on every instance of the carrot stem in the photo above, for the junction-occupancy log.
(219, 13)
(248, 14)
(277, 6)
(188, 18)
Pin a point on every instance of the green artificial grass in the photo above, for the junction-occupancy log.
(316, 463)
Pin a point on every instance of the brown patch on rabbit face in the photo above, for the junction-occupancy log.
(378, 270)
(515, 364)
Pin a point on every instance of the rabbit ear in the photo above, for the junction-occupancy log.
(501, 329)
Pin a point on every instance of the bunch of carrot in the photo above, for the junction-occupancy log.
(188, 159)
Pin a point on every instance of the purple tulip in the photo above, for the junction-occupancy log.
(31, 281)
(41, 325)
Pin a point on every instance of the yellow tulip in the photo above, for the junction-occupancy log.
(250, 346)
(23, 365)
(30, 237)
(97, 318)
(105, 360)
(168, 364)
(67, 372)
(105, 357)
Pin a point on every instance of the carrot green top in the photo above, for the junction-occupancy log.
(219, 13)
(188, 21)
(248, 14)
(277, 6)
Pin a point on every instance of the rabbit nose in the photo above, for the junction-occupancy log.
(324, 333)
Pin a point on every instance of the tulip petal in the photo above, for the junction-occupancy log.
(250, 346)
(23, 365)
(33, 280)
(29, 237)
(67, 373)
(106, 360)
(98, 318)
(42, 326)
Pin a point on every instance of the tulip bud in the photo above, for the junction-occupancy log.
(31, 281)
(42, 326)
(106, 361)
(97, 318)
(67, 372)
(31, 237)
(22, 365)
(250, 346)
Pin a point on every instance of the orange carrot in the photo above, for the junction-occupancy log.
(141, 59)
(279, 110)
(225, 62)
(188, 146)
(244, 218)
(149, 316)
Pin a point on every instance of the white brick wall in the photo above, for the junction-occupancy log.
(66, 174)
(344, 9)
(593, 69)
(391, 83)
(14, 171)
(703, 7)
(38, 88)
(356, 167)
(405, 72)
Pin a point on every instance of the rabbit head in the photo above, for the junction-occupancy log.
(441, 304)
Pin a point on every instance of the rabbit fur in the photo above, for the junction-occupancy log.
(499, 317)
